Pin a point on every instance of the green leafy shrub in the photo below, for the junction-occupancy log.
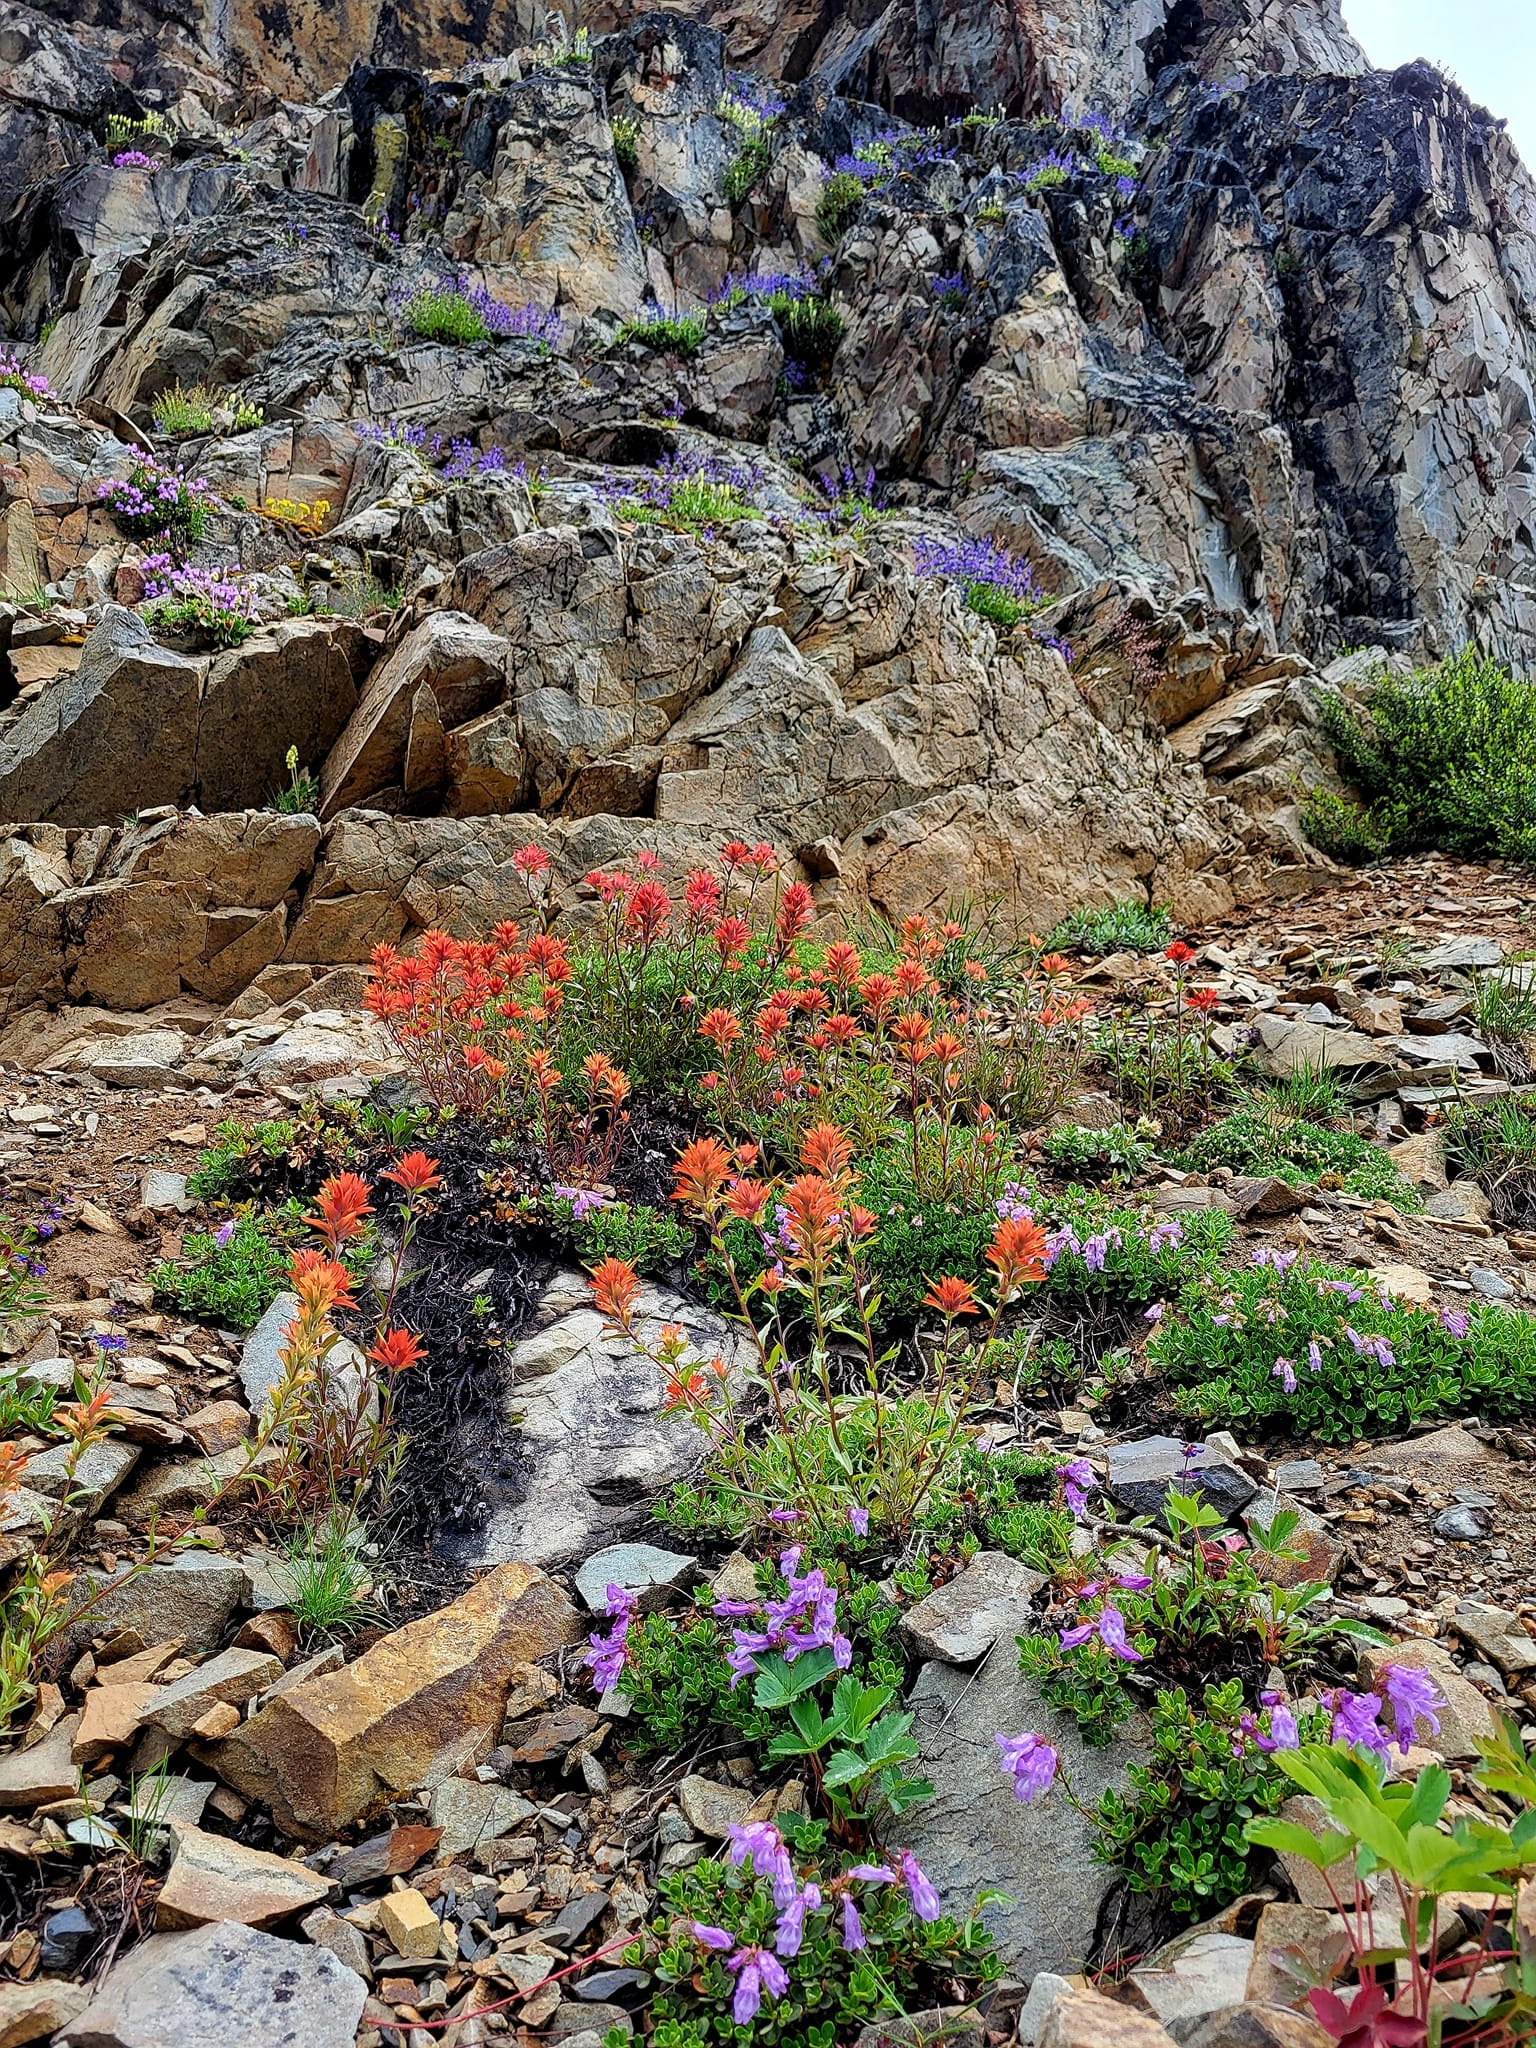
(626, 142)
(665, 334)
(1302, 1154)
(1210, 1612)
(445, 314)
(301, 794)
(1445, 759)
(1179, 1830)
(679, 1684)
(831, 1992)
(919, 1238)
(1119, 928)
(841, 197)
(811, 329)
(224, 1167)
(1307, 1349)
(231, 1284)
(652, 1241)
(1343, 829)
(1117, 1154)
(177, 412)
(745, 169)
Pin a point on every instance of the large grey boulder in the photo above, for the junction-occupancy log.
(588, 1408)
(457, 658)
(974, 1832)
(222, 1986)
(116, 737)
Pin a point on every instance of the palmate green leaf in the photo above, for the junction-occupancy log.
(779, 1684)
(890, 1740)
(845, 1767)
(1287, 1839)
(900, 1792)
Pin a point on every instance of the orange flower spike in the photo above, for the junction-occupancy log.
(947, 1048)
(1179, 953)
(843, 964)
(1053, 963)
(797, 909)
(826, 1150)
(862, 1223)
(721, 1027)
(1017, 1254)
(342, 1204)
(1201, 999)
(415, 1172)
(321, 1283)
(747, 1199)
(397, 1351)
(952, 1297)
(702, 1170)
(615, 1284)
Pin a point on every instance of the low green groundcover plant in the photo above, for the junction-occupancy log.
(1118, 928)
(1117, 1154)
(652, 1241)
(1445, 759)
(1179, 1829)
(1300, 1348)
(229, 1276)
(1253, 1141)
(864, 1948)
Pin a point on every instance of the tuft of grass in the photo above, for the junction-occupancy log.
(330, 1581)
(445, 314)
(841, 197)
(1312, 1093)
(678, 335)
(626, 142)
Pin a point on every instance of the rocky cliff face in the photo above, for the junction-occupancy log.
(1227, 338)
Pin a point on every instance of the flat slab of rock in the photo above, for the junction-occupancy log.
(640, 1568)
(1040, 1855)
(470, 1813)
(326, 1752)
(1497, 1635)
(212, 1878)
(961, 1621)
(1198, 1973)
(191, 1599)
(1143, 1473)
(43, 1773)
(226, 1680)
(1086, 2019)
(229, 1985)
(713, 1809)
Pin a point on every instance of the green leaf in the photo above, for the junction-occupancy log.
(1287, 1839)
(844, 1767)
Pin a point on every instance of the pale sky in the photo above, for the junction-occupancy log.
(1488, 46)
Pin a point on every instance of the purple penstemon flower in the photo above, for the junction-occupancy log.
(1412, 1696)
(1284, 1371)
(711, 1937)
(790, 1931)
(606, 1655)
(925, 1900)
(1031, 1762)
(1455, 1321)
(853, 1926)
(1077, 1481)
(759, 1843)
(859, 1521)
(757, 1970)
(224, 1233)
(1357, 1719)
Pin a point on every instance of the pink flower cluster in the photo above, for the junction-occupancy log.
(810, 1602)
(606, 1655)
(28, 382)
(759, 1971)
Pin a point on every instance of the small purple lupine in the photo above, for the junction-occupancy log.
(711, 1937)
(859, 1518)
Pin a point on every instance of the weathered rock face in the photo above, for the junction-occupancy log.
(1269, 395)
